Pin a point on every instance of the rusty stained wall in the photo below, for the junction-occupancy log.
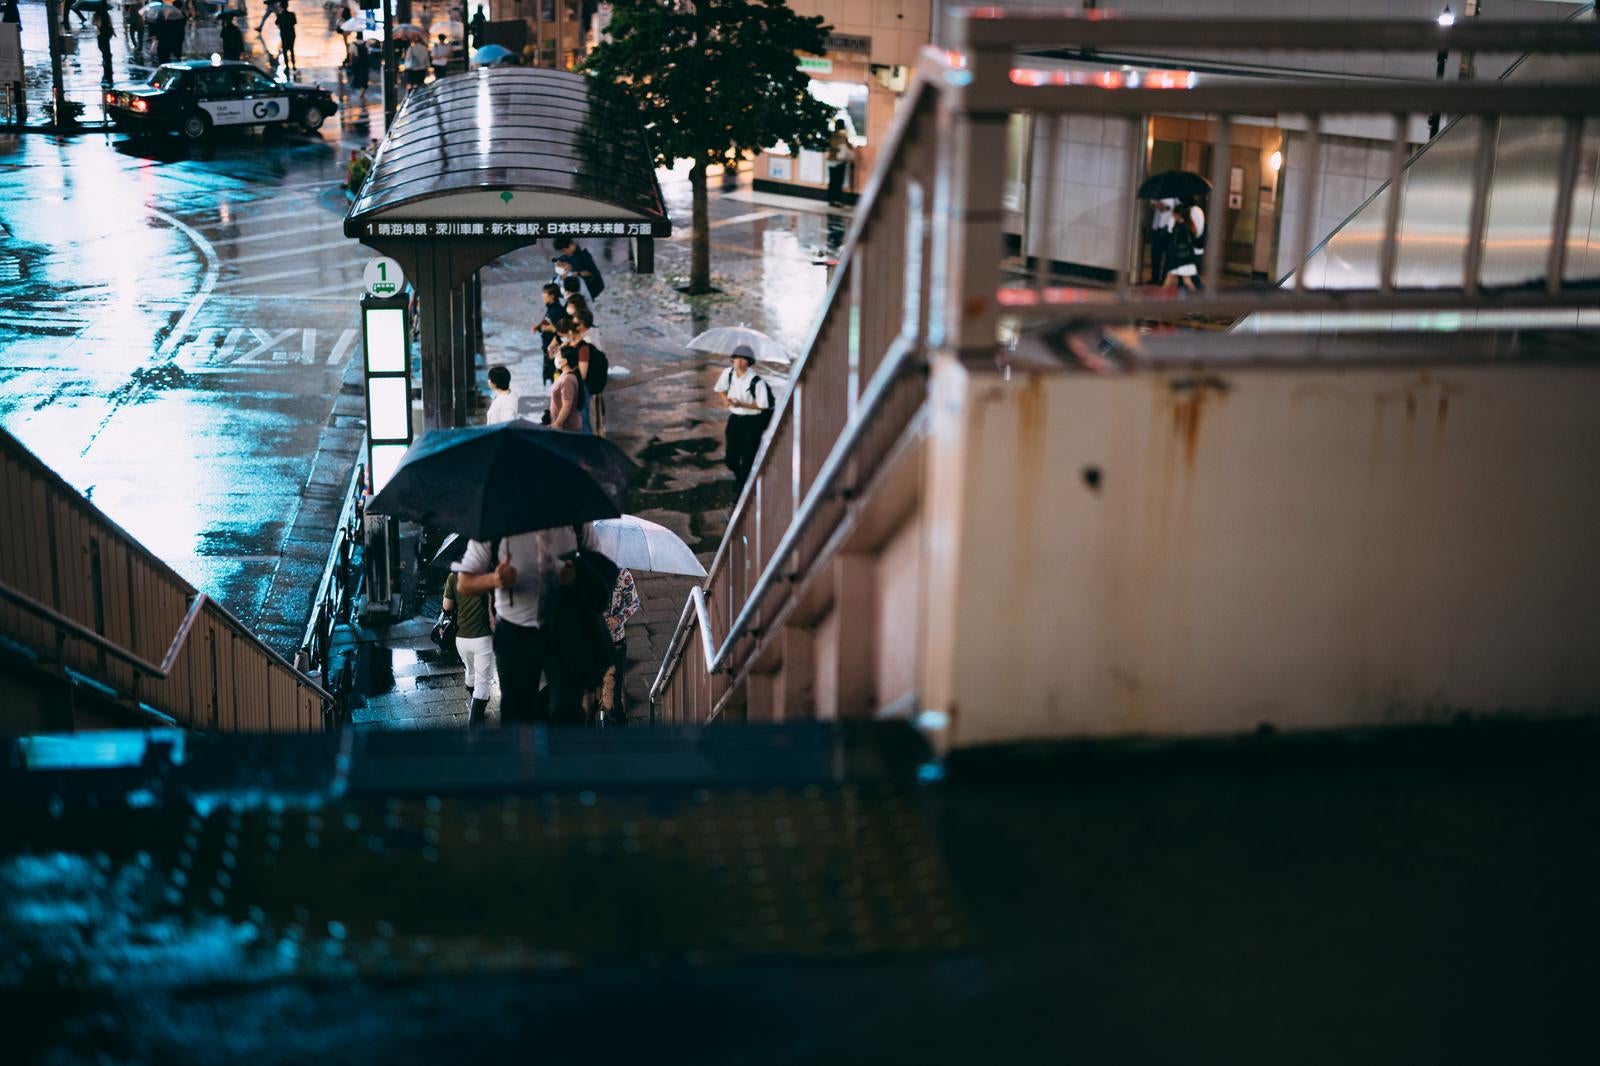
(1207, 552)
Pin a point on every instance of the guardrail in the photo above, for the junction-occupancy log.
(86, 597)
(341, 579)
(932, 220)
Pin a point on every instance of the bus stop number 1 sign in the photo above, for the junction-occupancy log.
(383, 276)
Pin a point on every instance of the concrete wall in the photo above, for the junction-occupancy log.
(1307, 548)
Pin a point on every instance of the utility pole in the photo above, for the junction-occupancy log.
(389, 61)
(60, 117)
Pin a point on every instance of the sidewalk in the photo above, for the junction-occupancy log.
(661, 411)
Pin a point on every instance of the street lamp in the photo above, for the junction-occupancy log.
(1446, 19)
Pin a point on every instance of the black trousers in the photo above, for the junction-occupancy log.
(521, 653)
(836, 172)
(1160, 241)
(743, 441)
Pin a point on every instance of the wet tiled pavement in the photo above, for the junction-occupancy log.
(768, 257)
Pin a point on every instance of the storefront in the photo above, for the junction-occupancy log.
(863, 75)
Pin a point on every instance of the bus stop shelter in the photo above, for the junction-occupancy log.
(481, 164)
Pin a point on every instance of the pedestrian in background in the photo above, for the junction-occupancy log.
(547, 328)
(1188, 246)
(287, 23)
(360, 67)
(104, 33)
(525, 572)
(475, 645)
(503, 408)
(232, 37)
(9, 13)
(417, 63)
(267, 12)
(749, 403)
(479, 24)
(441, 57)
(624, 605)
(581, 263)
(566, 395)
(594, 366)
(841, 153)
(133, 27)
(1162, 220)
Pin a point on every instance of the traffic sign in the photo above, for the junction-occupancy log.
(383, 276)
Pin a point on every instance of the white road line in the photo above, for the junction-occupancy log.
(314, 268)
(346, 243)
(208, 283)
(278, 234)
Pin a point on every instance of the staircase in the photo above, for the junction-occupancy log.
(979, 509)
(96, 632)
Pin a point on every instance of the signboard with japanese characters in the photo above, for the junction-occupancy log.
(462, 227)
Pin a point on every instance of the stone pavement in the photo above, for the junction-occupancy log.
(768, 260)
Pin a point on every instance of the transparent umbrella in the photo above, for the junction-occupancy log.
(639, 544)
(355, 25)
(449, 27)
(722, 340)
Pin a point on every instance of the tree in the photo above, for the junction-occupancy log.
(713, 79)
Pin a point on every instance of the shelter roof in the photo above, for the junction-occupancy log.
(511, 151)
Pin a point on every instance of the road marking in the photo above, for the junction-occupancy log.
(272, 347)
(314, 268)
(278, 234)
(248, 219)
(342, 242)
(208, 283)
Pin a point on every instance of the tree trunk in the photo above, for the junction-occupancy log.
(700, 248)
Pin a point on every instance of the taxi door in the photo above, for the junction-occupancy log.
(217, 95)
(261, 98)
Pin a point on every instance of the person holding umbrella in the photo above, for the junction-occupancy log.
(1188, 246)
(749, 403)
(232, 37)
(1177, 255)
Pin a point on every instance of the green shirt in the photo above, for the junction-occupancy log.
(472, 614)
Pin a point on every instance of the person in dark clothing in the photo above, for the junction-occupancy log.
(104, 33)
(583, 265)
(232, 38)
(286, 32)
(548, 327)
(479, 24)
(9, 13)
(360, 67)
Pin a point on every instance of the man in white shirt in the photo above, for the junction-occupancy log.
(749, 403)
(1162, 220)
(524, 571)
(503, 408)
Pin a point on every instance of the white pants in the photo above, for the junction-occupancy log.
(478, 654)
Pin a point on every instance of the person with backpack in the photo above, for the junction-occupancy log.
(594, 367)
(1188, 246)
(749, 403)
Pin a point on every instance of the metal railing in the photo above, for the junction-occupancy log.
(341, 580)
(932, 222)
(82, 594)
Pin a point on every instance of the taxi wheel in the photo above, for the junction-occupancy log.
(314, 118)
(195, 125)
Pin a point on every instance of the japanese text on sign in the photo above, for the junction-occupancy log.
(514, 229)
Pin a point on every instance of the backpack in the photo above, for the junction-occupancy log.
(599, 371)
(765, 417)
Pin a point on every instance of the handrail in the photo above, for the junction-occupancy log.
(899, 130)
(78, 629)
(895, 362)
(163, 671)
(320, 602)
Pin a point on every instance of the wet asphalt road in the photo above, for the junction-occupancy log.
(176, 322)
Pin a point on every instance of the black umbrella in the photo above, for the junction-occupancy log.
(515, 477)
(1173, 185)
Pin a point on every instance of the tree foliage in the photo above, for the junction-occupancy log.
(714, 77)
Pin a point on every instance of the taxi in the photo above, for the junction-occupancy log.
(195, 96)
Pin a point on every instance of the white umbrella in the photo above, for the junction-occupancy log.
(449, 27)
(724, 339)
(639, 544)
(357, 24)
